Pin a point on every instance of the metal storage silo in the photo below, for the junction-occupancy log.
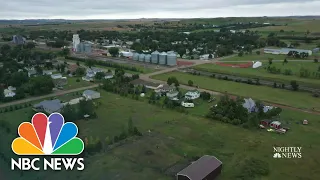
(172, 59)
(155, 57)
(135, 56)
(147, 58)
(141, 57)
(163, 58)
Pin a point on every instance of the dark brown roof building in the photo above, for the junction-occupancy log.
(205, 168)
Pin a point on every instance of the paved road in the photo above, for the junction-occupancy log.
(58, 93)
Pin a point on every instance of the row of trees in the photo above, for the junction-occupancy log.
(92, 62)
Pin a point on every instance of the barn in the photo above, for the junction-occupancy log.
(205, 168)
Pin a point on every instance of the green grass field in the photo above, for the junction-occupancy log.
(263, 56)
(262, 73)
(185, 135)
(280, 96)
(73, 84)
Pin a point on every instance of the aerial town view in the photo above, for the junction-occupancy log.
(139, 90)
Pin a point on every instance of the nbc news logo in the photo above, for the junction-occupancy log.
(287, 152)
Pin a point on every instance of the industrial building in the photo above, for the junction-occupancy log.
(84, 48)
(286, 51)
(75, 42)
(163, 58)
(17, 39)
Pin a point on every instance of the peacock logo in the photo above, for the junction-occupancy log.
(47, 136)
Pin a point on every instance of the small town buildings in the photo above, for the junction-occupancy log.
(60, 82)
(191, 95)
(84, 47)
(205, 168)
(72, 68)
(148, 85)
(56, 76)
(9, 92)
(164, 88)
(49, 106)
(90, 94)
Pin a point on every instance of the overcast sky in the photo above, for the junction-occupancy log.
(131, 9)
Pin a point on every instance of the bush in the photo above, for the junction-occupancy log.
(78, 80)
(213, 75)
(225, 78)
(225, 119)
(249, 81)
(316, 94)
(218, 117)
(316, 60)
(252, 168)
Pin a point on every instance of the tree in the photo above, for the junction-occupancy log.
(275, 85)
(144, 89)
(294, 85)
(113, 51)
(315, 60)
(181, 52)
(65, 52)
(240, 54)
(40, 85)
(285, 60)
(70, 113)
(30, 45)
(80, 71)
(86, 107)
(210, 56)
(78, 63)
(190, 83)
(99, 75)
(169, 81)
(258, 52)
(270, 60)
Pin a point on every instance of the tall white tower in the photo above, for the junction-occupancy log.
(75, 42)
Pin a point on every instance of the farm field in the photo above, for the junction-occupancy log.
(262, 73)
(301, 99)
(185, 135)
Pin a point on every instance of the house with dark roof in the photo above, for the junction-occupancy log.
(205, 168)
(48, 106)
(149, 85)
(90, 94)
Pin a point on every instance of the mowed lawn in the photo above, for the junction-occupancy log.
(172, 136)
(263, 74)
(268, 94)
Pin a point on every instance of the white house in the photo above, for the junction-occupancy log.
(187, 105)
(90, 94)
(190, 95)
(87, 78)
(9, 92)
(172, 94)
(56, 76)
(48, 72)
(109, 75)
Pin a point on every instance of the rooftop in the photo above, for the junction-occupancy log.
(145, 83)
(201, 168)
(89, 92)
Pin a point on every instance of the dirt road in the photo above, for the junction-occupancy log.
(59, 93)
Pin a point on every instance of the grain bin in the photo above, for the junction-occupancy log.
(172, 59)
(155, 57)
(147, 58)
(135, 56)
(141, 57)
(163, 58)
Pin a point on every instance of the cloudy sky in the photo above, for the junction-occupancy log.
(131, 9)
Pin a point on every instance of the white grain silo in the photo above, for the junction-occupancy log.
(135, 56)
(163, 58)
(155, 57)
(172, 59)
(141, 57)
(147, 58)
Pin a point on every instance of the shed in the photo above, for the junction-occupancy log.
(265, 122)
(205, 168)
(276, 124)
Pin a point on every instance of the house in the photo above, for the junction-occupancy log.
(60, 82)
(87, 78)
(187, 105)
(148, 85)
(90, 94)
(172, 94)
(17, 39)
(48, 72)
(32, 72)
(72, 68)
(276, 124)
(205, 56)
(250, 105)
(9, 92)
(205, 168)
(48, 106)
(56, 76)
(108, 75)
(191, 95)
(164, 88)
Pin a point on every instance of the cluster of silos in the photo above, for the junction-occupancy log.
(163, 58)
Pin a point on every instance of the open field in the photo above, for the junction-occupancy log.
(264, 56)
(184, 136)
(73, 84)
(262, 73)
(301, 99)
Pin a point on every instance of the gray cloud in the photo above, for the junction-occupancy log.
(82, 9)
